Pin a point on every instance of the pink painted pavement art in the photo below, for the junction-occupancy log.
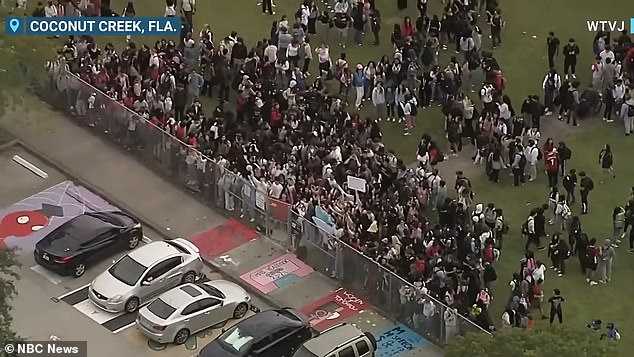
(277, 273)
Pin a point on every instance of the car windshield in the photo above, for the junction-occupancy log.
(127, 270)
(161, 309)
(236, 340)
(212, 291)
(304, 352)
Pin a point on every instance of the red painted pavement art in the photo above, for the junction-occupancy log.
(223, 238)
(334, 308)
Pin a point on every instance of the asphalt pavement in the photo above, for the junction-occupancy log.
(262, 266)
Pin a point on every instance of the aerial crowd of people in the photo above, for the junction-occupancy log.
(298, 130)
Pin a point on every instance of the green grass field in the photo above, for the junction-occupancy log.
(523, 60)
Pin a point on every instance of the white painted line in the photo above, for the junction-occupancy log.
(89, 309)
(124, 328)
(29, 166)
(49, 275)
(146, 240)
(74, 291)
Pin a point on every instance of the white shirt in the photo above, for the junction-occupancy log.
(50, 11)
(292, 51)
(323, 54)
(170, 11)
(276, 190)
(619, 91)
(270, 52)
(487, 94)
(605, 54)
(188, 5)
(505, 112)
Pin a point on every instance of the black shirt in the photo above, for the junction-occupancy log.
(571, 51)
(555, 302)
(553, 44)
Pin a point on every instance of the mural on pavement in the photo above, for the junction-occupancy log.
(26, 222)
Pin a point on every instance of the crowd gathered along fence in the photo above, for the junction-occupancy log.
(236, 197)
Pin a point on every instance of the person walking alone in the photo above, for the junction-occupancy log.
(555, 306)
(570, 52)
(585, 186)
(606, 256)
(606, 159)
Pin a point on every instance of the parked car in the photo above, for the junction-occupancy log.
(190, 308)
(143, 274)
(343, 340)
(270, 333)
(86, 240)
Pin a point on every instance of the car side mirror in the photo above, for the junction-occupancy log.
(145, 283)
(114, 261)
(224, 330)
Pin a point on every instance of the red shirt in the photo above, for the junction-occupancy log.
(407, 30)
(275, 115)
(552, 161)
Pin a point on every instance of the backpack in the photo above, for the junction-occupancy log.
(550, 82)
(522, 163)
(566, 213)
(565, 153)
(590, 185)
(298, 13)
(413, 110)
(540, 155)
(630, 110)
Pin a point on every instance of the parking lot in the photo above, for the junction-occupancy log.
(52, 306)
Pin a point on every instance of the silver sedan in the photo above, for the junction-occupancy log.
(178, 313)
(143, 274)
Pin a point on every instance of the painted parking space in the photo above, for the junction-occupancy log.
(223, 238)
(397, 341)
(277, 273)
(334, 308)
(114, 322)
(26, 222)
(189, 348)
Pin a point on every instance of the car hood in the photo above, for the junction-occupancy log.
(109, 286)
(232, 292)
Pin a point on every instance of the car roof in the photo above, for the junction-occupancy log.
(151, 253)
(329, 340)
(263, 323)
(183, 295)
(81, 229)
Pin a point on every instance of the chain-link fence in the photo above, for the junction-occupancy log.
(241, 199)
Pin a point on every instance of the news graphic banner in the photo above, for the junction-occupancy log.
(94, 26)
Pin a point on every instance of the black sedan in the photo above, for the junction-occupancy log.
(271, 333)
(87, 239)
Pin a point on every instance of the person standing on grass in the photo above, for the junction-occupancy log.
(591, 261)
(565, 154)
(575, 100)
(538, 297)
(555, 306)
(188, 8)
(618, 225)
(606, 258)
(551, 86)
(606, 160)
(627, 113)
(358, 81)
(552, 44)
(585, 186)
(552, 161)
(570, 51)
(528, 230)
(570, 182)
(378, 99)
(531, 153)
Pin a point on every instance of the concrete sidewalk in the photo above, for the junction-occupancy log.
(171, 211)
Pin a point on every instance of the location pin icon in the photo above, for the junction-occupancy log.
(14, 24)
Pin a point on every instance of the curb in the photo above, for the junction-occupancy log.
(9, 144)
(144, 219)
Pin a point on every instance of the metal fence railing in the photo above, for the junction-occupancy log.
(239, 198)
